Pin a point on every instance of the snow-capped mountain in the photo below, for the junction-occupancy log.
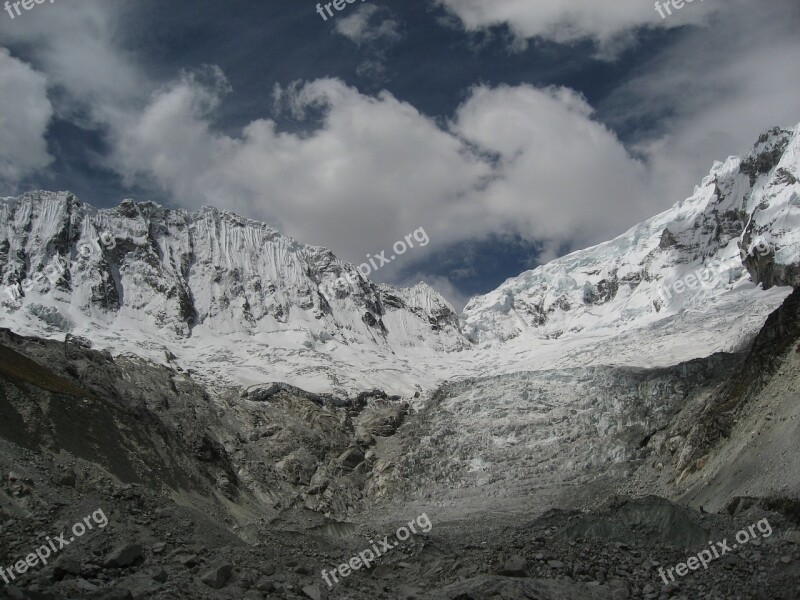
(740, 228)
(142, 277)
(235, 301)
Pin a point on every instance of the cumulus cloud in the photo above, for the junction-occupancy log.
(23, 123)
(518, 159)
(365, 26)
(609, 23)
(376, 168)
(78, 46)
(561, 175)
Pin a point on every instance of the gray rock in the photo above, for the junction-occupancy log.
(160, 576)
(313, 592)
(86, 586)
(159, 547)
(14, 592)
(188, 560)
(66, 566)
(125, 556)
(351, 458)
(68, 479)
(265, 585)
(515, 566)
(218, 576)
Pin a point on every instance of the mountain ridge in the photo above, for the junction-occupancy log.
(724, 219)
(233, 299)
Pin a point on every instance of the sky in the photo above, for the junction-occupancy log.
(510, 131)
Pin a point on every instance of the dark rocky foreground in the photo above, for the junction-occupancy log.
(212, 493)
(153, 549)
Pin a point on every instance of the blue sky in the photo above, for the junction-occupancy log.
(511, 131)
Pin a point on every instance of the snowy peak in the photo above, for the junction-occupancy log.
(740, 228)
(161, 276)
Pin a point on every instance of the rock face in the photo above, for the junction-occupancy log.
(218, 577)
(211, 268)
(184, 277)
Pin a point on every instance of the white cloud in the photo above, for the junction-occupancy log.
(23, 121)
(607, 22)
(720, 86)
(376, 169)
(365, 26)
(561, 175)
(513, 159)
(373, 31)
(78, 46)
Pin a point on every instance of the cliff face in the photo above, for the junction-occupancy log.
(143, 278)
(215, 269)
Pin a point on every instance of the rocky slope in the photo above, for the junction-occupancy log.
(740, 441)
(212, 494)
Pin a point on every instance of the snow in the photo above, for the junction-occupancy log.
(237, 302)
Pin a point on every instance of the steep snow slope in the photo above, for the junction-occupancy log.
(740, 228)
(235, 301)
(697, 279)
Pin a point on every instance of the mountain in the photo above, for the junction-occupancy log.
(146, 279)
(698, 278)
(741, 226)
(232, 300)
(587, 424)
